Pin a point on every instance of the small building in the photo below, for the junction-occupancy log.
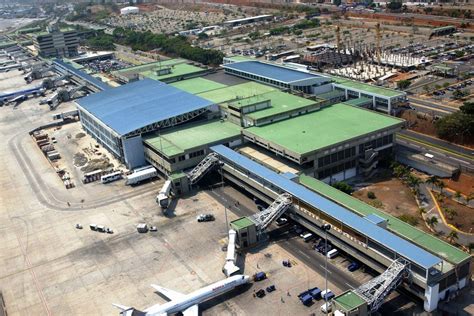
(350, 303)
(246, 232)
(129, 10)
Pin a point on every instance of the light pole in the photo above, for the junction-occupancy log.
(225, 207)
(326, 228)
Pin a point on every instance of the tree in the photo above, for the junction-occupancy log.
(457, 126)
(413, 181)
(394, 5)
(371, 195)
(446, 84)
(467, 108)
(453, 235)
(432, 221)
(433, 180)
(403, 84)
(343, 186)
(337, 2)
(459, 94)
(450, 213)
(203, 36)
(441, 186)
(422, 211)
(400, 171)
(457, 195)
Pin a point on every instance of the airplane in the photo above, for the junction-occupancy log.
(187, 304)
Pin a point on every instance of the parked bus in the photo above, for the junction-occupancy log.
(114, 176)
(280, 55)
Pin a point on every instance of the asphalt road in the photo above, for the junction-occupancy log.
(432, 108)
(449, 154)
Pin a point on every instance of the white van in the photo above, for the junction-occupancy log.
(306, 237)
(326, 308)
(332, 254)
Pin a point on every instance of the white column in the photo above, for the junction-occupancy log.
(389, 105)
(431, 298)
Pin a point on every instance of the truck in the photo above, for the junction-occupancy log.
(141, 175)
(163, 197)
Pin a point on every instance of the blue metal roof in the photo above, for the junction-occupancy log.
(373, 218)
(270, 71)
(382, 236)
(81, 74)
(141, 103)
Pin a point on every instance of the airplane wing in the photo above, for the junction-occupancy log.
(172, 295)
(192, 311)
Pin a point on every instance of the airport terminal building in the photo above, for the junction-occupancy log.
(273, 139)
(172, 125)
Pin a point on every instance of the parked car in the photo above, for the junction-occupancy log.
(153, 229)
(259, 276)
(260, 293)
(205, 218)
(78, 226)
(327, 295)
(281, 221)
(271, 288)
(353, 266)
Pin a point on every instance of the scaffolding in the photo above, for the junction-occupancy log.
(375, 291)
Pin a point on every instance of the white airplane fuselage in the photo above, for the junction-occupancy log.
(198, 296)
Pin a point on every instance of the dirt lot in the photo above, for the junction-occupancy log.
(464, 184)
(422, 123)
(393, 197)
(463, 218)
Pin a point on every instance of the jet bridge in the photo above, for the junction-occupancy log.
(376, 290)
(203, 168)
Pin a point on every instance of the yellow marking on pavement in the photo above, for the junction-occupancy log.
(444, 219)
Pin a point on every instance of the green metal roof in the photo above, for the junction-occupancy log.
(240, 91)
(197, 85)
(184, 138)
(365, 87)
(281, 102)
(176, 70)
(358, 102)
(156, 64)
(323, 128)
(331, 95)
(426, 241)
(348, 301)
(242, 223)
(177, 175)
